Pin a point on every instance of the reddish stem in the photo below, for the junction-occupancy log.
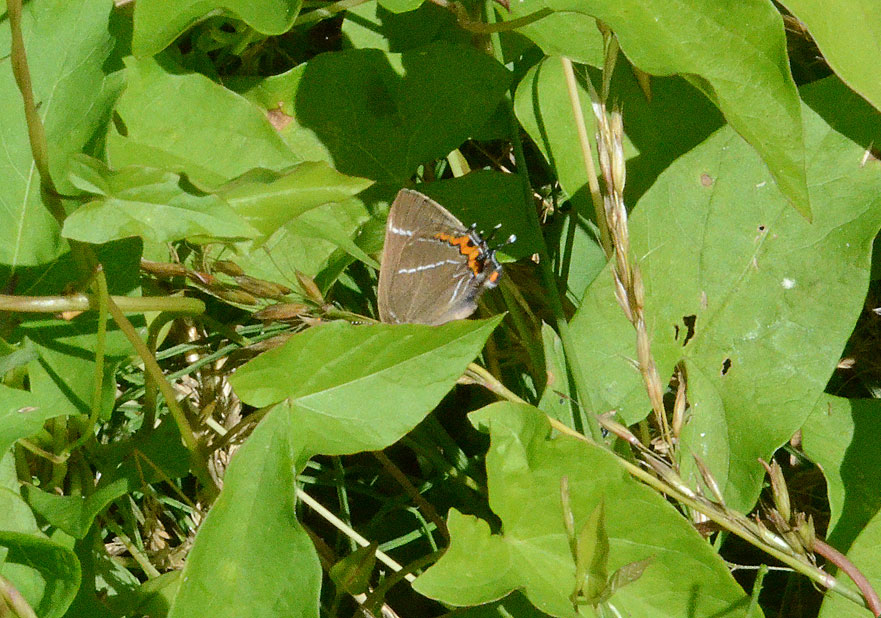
(840, 560)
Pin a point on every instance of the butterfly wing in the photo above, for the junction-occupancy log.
(424, 279)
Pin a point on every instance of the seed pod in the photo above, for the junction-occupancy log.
(228, 268)
(281, 311)
(261, 288)
(308, 284)
(234, 296)
(163, 269)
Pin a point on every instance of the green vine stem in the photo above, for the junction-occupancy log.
(545, 265)
(85, 302)
(150, 385)
(100, 346)
(479, 27)
(82, 254)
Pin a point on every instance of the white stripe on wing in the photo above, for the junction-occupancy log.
(417, 269)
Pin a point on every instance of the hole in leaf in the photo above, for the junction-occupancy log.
(726, 365)
(689, 321)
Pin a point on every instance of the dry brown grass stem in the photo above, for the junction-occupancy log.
(629, 289)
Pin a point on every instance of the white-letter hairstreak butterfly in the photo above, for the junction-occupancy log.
(433, 267)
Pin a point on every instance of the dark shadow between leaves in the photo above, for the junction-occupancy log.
(860, 469)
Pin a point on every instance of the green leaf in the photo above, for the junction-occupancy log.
(370, 24)
(158, 23)
(734, 52)
(562, 33)
(360, 388)
(380, 115)
(251, 558)
(187, 123)
(356, 388)
(20, 416)
(331, 230)
(267, 200)
(524, 468)
(847, 34)
(401, 6)
(17, 359)
(45, 573)
(754, 300)
(149, 203)
(63, 377)
(102, 577)
(842, 436)
(306, 243)
(120, 260)
(556, 398)
(657, 132)
(15, 515)
(592, 556)
(67, 44)
(152, 598)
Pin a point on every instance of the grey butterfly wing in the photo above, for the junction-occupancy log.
(423, 279)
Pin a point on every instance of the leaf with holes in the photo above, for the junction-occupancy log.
(753, 300)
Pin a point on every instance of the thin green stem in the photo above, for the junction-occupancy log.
(152, 367)
(423, 504)
(757, 588)
(489, 381)
(545, 266)
(36, 131)
(566, 258)
(100, 346)
(589, 169)
(84, 302)
(343, 496)
(150, 385)
(36, 450)
(479, 27)
(522, 324)
(133, 549)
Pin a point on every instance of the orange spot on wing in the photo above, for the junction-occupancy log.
(467, 248)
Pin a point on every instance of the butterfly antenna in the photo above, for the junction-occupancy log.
(492, 234)
(508, 241)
